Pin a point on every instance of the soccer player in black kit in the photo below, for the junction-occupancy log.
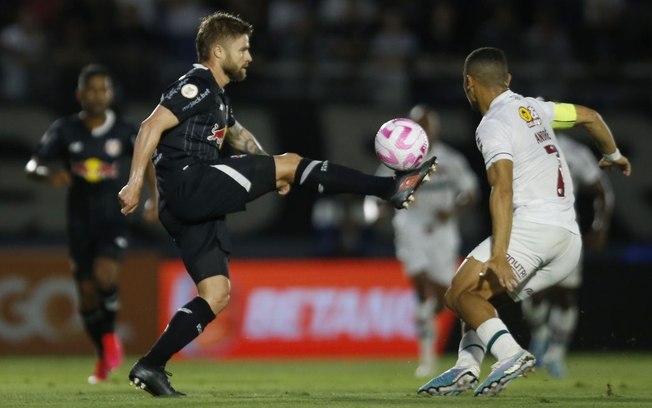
(89, 146)
(198, 186)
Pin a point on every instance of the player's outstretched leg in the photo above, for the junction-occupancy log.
(153, 380)
(407, 182)
(451, 382)
(505, 371)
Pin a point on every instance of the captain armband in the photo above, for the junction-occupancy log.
(564, 116)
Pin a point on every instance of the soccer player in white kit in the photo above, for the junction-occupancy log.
(427, 236)
(552, 314)
(535, 239)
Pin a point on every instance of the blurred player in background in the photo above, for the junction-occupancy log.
(535, 241)
(199, 186)
(552, 314)
(89, 146)
(427, 236)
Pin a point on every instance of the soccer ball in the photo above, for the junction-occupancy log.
(401, 144)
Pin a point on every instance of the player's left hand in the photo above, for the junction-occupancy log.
(499, 266)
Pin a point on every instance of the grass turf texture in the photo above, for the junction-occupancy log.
(595, 380)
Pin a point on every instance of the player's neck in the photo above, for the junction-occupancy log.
(93, 121)
(218, 73)
(486, 96)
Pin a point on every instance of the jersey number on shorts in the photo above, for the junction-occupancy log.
(561, 189)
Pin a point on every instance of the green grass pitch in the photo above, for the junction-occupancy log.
(595, 380)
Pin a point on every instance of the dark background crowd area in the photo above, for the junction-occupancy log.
(325, 74)
(321, 49)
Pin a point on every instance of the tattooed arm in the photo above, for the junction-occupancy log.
(243, 140)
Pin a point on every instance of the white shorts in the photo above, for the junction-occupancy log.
(574, 280)
(435, 254)
(540, 255)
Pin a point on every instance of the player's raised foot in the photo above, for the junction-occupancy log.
(452, 382)
(407, 182)
(505, 371)
(113, 354)
(100, 374)
(154, 380)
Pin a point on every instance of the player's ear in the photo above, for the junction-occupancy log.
(468, 82)
(508, 81)
(218, 51)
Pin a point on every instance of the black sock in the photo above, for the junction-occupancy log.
(110, 306)
(186, 324)
(328, 178)
(93, 321)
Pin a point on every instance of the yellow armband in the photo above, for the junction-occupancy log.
(565, 116)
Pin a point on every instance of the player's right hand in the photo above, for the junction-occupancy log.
(502, 270)
(129, 197)
(622, 163)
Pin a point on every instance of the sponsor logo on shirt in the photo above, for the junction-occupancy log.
(217, 134)
(94, 170)
(197, 100)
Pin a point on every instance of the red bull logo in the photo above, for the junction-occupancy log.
(217, 134)
(94, 170)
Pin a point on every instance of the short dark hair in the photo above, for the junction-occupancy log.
(217, 27)
(91, 70)
(488, 65)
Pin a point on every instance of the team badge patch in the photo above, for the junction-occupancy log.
(113, 147)
(75, 147)
(529, 115)
(189, 91)
(524, 114)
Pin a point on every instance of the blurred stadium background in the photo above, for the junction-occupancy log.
(326, 74)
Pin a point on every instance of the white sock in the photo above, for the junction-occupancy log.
(536, 317)
(426, 331)
(562, 325)
(499, 341)
(470, 352)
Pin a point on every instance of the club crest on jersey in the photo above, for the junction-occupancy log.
(217, 134)
(75, 147)
(113, 147)
(529, 115)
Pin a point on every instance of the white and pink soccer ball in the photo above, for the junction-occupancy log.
(401, 144)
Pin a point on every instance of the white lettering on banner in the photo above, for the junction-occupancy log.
(327, 313)
(27, 308)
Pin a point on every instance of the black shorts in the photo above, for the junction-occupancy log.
(197, 199)
(90, 238)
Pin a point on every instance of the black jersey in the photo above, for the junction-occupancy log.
(204, 114)
(93, 158)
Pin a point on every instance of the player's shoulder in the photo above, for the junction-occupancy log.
(196, 83)
(65, 123)
(198, 75)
